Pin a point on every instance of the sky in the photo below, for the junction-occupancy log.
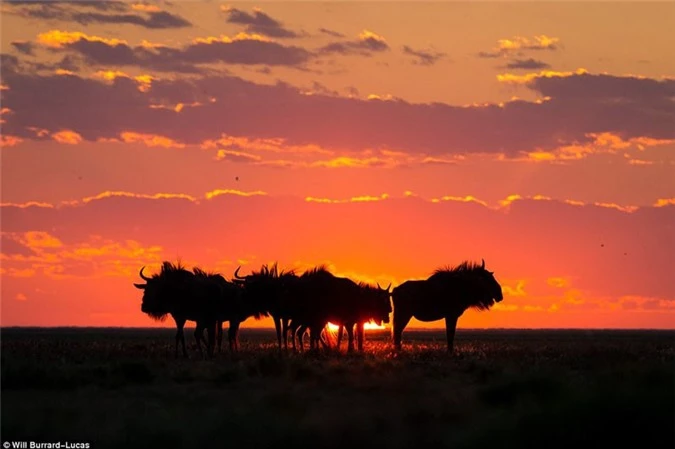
(384, 139)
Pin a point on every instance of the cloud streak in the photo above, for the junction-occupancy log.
(258, 23)
(518, 45)
(86, 13)
(527, 64)
(331, 33)
(241, 49)
(367, 44)
(424, 57)
(589, 105)
(599, 250)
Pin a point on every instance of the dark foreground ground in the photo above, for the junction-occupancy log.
(120, 388)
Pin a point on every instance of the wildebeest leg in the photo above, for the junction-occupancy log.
(450, 328)
(339, 336)
(401, 320)
(199, 334)
(233, 335)
(284, 331)
(291, 330)
(303, 330)
(298, 334)
(312, 336)
(293, 327)
(211, 334)
(315, 335)
(360, 335)
(350, 336)
(277, 326)
(219, 334)
(301, 333)
(323, 340)
(180, 323)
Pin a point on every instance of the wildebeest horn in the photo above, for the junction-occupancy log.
(146, 279)
(386, 289)
(483, 266)
(236, 273)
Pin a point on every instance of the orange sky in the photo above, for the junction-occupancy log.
(384, 139)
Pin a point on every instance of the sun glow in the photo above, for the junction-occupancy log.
(368, 326)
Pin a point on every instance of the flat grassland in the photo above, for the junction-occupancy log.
(519, 389)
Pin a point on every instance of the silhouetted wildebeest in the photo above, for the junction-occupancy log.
(312, 299)
(446, 294)
(231, 308)
(375, 306)
(264, 292)
(298, 330)
(176, 291)
(318, 297)
(203, 297)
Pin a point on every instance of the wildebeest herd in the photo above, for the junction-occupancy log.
(309, 301)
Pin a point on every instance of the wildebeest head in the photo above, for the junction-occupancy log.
(490, 283)
(470, 283)
(218, 295)
(378, 302)
(263, 289)
(484, 290)
(161, 290)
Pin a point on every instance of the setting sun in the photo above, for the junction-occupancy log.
(367, 326)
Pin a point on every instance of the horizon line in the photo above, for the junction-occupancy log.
(271, 329)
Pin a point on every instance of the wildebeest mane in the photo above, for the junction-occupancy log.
(367, 286)
(472, 277)
(170, 270)
(272, 271)
(466, 267)
(319, 269)
(203, 274)
(266, 282)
